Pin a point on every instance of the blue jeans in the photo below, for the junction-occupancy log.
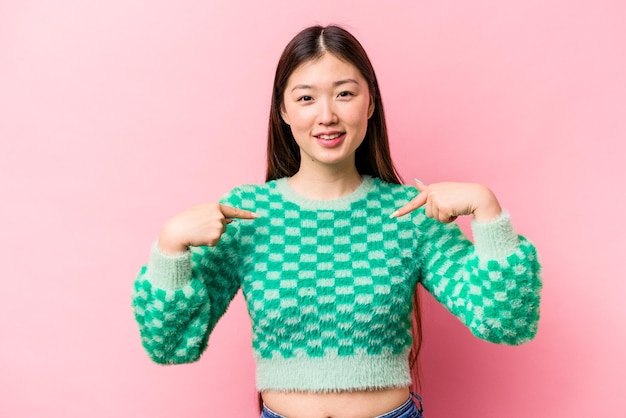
(406, 410)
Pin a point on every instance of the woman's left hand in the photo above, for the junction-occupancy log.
(447, 201)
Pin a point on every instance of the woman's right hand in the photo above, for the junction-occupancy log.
(201, 225)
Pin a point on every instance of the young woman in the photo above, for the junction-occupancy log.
(329, 251)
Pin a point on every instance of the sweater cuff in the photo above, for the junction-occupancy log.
(495, 239)
(168, 271)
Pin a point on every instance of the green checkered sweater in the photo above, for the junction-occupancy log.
(329, 286)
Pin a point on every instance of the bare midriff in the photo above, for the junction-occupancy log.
(358, 404)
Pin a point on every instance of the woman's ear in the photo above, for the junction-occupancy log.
(283, 113)
(370, 109)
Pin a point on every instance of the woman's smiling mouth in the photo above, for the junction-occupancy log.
(330, 140)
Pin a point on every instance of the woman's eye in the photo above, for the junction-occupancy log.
(305, 99)
(345, 94)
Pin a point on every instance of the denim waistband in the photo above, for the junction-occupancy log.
(407, 410)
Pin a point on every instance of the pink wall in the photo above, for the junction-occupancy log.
(115, 115)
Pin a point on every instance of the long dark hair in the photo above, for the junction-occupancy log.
(372, 157)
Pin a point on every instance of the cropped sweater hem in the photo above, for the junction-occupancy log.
(332, 373)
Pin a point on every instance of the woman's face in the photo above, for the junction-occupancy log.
(327, 104)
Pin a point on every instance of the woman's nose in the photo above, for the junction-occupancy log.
(327, 115)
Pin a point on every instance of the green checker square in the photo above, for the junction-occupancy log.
(308, 219)
(289, 293)
(346, 350)
(343, 248)
(324, 291)
(309, 248)
(310, 266)
(343, 214)
(345, 316)
(358, 238)
(256, 294)
(344, 276)
(342, 230)
(325, 240)
(271, 304)
(361, 272)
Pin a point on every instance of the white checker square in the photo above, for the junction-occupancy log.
(292, 214)
(342, 240)
(342, 223)
(309, 223)
(382, 289)
(309, 240)
(343, 273)
(288, 303)
(292, 232)
(325, 216)
(356, 230)
(325, 249)
(325, 232)
(341, 257)
(292, 249)
(344, 290)
(326, 282)
(375, 237)
(363, 281)
(276, 257)
(277, 239)
(306, 274)
(293, 266)
(344, 308)
(326, 299)
(306, 291)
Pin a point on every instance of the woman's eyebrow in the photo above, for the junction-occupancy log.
(335, 84)
(345, 81)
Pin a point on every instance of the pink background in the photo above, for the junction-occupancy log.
(115, 115)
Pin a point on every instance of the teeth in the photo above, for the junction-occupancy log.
(333, 136)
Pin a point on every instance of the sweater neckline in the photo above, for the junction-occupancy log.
(343, 202)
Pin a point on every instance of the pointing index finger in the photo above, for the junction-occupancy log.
(231, 213)
(415, 203)
(419, 185)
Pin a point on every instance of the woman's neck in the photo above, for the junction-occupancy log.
(325, 185)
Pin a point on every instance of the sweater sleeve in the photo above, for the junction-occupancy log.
(493, 285)
(178, 299)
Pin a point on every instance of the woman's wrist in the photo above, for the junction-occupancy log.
(488, 208)
(168, 243)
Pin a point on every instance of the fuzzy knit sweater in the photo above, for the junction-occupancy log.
(329, 286)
